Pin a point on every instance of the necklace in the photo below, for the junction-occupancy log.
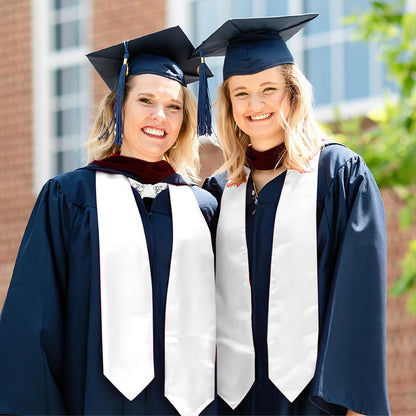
(263, 178)
(254, 194)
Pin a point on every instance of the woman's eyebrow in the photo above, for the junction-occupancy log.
(238, 88)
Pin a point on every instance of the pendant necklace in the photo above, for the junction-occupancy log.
(254, 192)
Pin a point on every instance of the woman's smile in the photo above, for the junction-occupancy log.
(154, 132)
(259, 117)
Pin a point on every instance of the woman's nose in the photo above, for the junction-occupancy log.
(159, 113)
(256, 102)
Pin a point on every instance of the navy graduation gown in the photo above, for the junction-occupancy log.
(350, 371)
(50, 326)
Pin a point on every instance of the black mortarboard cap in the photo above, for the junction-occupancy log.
(250, 45)
(167, 53)
(254, 44)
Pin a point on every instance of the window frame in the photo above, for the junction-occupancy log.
(45, 62)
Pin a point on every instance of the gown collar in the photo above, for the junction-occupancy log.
(268, 160)
(140, 170)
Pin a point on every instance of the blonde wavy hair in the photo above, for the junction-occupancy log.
(183, 156)
(303, 137)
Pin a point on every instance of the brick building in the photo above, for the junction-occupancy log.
(43, 43)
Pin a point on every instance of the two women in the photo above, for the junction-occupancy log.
(111, 307)
(300, 251)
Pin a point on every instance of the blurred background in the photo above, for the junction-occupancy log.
(360, 56)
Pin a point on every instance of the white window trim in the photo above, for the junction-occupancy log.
(44, 61)
(411, 5)
(179, 13)
(42, 155)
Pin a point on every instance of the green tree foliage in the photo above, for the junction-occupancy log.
(389, 144)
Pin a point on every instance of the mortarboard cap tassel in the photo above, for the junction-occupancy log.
(120, 93)
(204, 106)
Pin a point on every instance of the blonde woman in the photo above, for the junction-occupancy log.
(301, 244)
(111, 307)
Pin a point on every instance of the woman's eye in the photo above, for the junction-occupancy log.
(241, 94)
(175, 107)
(145, 100)
(269, 90)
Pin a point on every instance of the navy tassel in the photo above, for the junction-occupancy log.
(119, 99)
(204, 106)
(109, 129)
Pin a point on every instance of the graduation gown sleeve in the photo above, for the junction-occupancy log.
(350, 372)
(215, 185)
(31, 323)
(208, 206)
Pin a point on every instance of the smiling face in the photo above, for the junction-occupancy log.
(152, 117)
(257, 101)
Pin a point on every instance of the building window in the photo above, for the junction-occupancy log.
(344, 73)
(61, 86)
(317, 66)
(357, 71)
(321, 24)
(276, 8)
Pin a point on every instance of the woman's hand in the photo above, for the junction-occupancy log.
(352, 413)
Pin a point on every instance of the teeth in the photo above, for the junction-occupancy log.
(260, 117)
(154, 132)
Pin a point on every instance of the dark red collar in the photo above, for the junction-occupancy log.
(267, 160)
(144, 172)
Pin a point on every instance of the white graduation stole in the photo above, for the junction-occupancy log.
(126, 297)
(293, 297)
(235, 348)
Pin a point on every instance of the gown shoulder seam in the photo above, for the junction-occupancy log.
(70, 201)
(337, 173)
